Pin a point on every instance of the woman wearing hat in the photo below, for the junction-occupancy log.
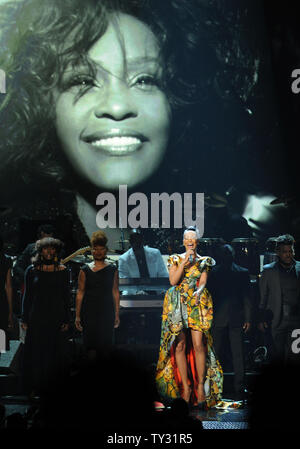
(45, 317)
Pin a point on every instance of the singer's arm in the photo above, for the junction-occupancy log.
(176, 271)
(201, 286)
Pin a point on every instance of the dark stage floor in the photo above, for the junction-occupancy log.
(15, 402)
(211, 419)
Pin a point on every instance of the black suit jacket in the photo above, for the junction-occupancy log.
(230, 290)
(270, 293)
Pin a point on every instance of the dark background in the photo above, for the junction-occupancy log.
(245, 144)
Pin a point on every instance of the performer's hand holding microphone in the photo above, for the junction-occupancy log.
(189, 257)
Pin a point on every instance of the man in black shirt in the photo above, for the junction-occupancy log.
(141, 261)
(229, 285)
(280, 297)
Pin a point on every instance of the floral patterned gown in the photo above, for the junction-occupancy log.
(181, 312)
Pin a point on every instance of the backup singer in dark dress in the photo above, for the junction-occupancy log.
(45, 318)
(97, 301)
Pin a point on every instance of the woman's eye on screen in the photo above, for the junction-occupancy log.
(80, 83)
(146, 82)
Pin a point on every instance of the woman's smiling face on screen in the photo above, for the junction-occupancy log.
(114, 124)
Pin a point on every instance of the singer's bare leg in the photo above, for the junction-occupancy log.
(180, 357)
(200, 358)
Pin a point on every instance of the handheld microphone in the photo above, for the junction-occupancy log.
(191, 259)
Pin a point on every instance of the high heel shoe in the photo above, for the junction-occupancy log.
(201, 405)
(189, 396)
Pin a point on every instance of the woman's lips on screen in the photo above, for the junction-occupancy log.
(116, 142)
(118, 146)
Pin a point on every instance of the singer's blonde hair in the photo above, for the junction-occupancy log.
(192, 229)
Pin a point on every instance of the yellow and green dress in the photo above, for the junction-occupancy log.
(181, 312)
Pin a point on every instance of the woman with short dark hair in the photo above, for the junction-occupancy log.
(98, 299)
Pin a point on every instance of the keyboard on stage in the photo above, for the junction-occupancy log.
(141, 301)
(142, 292)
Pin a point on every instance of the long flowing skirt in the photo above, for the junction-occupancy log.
(178, 316)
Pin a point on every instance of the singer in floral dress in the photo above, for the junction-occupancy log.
(187, 365)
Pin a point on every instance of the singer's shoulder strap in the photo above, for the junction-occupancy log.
(174, 259)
